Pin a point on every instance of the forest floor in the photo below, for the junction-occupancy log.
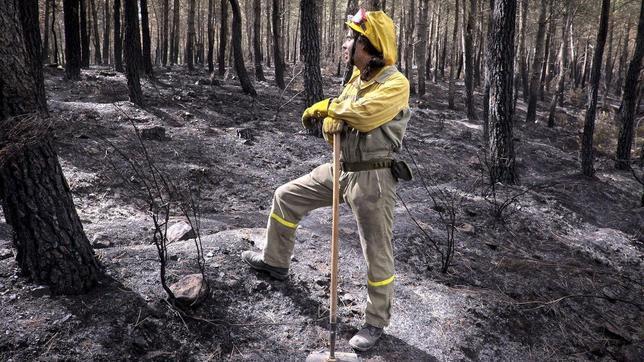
(559, 275)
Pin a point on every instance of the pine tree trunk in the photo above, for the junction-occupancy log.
(257, 40)
(469, 71)
(84, 35)
(595, 76)
(106, 33)
(190, 37)
(240, 68)
(499, 77)
(622, 62)
(45, 47)
(223, 38)
(409, 49)
(421, 44)
(277, 45)
(176, 28)
(53, 32)
(118, 42)
(536, 65)
(310, 49)
(97, 42)
(626, 115)
(561, 77)
(146, 51)
(548, 64)
(165, 15)
(608, 71)
(132, 52)
(443, 58)
(72, 39)
(211, 35)
(453, 59)
(523, 68)
(47, 233)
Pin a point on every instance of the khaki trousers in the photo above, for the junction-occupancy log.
(371, 197)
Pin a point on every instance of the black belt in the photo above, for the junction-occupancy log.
(366, 165)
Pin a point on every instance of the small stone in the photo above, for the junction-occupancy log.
(100, 241)
(156, 133)
(190, 289)
(180, 231)
(466, 228)
(210, 254)
(40, 291)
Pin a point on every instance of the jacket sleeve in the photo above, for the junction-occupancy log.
(375, 108)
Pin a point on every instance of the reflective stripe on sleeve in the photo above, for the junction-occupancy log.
(382, 282)
(288, 224)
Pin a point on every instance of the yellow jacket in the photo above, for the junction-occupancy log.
(368, 105)
(376, 114)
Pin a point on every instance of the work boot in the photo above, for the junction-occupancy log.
(366, 338)
(255, 261)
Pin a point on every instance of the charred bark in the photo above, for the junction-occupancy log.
(626, 115)
(591, 108)
(47, 233)
(536, 65)
(277, 44)
(132, 52)
(118, 41)
(146, 51)
(72, 39)
(469, 71)
(310, 50)
(257, 40)
(240, 68)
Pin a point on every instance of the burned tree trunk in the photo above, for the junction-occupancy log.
(132, 52)
(622, 62)
(257, 40)
(536, 65)
(118, 41)
(190, 37)
(211, 35)
(247, 86)
(45, 47)
(84, 34)
(523, 67)
(421, 45)
(277, 45)
(52, 247)
(176, 26)
(310, 49)
(146, 43)
(469, 71)
(595, 76)
(626, 115)
(453, 60)
(499, 71)
(97, 43)
(223, 38)
(72, 39)
(563, 64)
(164, 32)
(106, 33)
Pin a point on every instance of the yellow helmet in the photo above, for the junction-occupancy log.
(379, 29)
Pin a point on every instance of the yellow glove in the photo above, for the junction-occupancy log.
(330, 126)
(318, 110)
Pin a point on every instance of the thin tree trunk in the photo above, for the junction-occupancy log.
(595, 76)
(45, 47)
(190, 37)
(146, 51)
(211, 35)
(277, 45)
(453, 59)
(421, 44)
(561, 78)
(132, 52)
(310, 49)
(608, 71)
(53, 31)
(469, 71)
(223, 38)
(97, 43)
(499, 73)
(409, 49)
(247, 86)
(622, 61)
(176, 28)
(257, 39)
(269, 34)
(51, 245)
(84, 35)
(536, 65)
(626, 115)
(118, 42)
(106, 33)
(523, 67)
(72, 39)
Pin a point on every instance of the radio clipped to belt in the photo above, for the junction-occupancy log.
(401, 171)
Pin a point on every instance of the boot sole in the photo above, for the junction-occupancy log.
(272, 273)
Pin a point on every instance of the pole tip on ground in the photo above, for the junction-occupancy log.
(339, 357)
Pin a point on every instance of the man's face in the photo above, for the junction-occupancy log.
(346, 47)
